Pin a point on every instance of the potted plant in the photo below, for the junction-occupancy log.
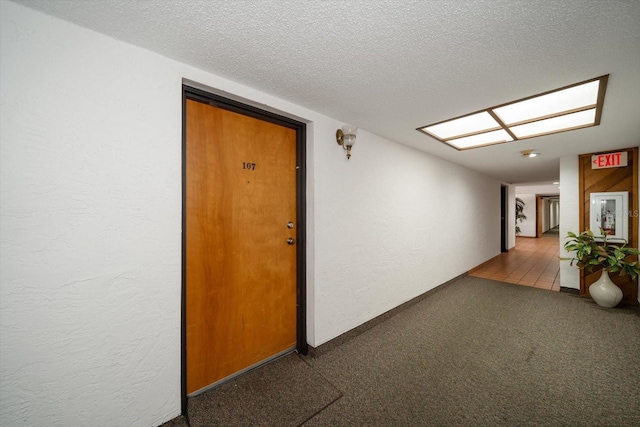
(613, 258)
(520, 216)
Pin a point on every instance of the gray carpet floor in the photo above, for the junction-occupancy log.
(474, 352)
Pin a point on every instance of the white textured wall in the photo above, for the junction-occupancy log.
(392, 223)
(90, 199)
(555, 214)
(569, 217)
(91, 216)
(546, 214)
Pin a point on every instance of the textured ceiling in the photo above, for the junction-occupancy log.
(392, 66)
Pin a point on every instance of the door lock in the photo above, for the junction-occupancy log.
(291, 241)
(290, 225)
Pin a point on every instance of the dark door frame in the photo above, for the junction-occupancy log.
(192, 93)
(503, 219)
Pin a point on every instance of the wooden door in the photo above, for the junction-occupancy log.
(539, 212)
(240, 210)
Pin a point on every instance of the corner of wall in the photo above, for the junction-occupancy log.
(569, 216)
(511, 227)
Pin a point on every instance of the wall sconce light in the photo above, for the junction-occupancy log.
(346, 137)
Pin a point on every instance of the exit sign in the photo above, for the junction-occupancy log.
(609, 160)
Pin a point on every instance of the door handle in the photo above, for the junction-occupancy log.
(291, 241)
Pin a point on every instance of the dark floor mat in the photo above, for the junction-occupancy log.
(285, 392)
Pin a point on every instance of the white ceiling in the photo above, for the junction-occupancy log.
(390, 66)
(548, 190)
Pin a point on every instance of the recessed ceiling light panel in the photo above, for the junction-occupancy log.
(563, 101)
(487, 138)
(556, 124)
(463, 126)
(568, 108)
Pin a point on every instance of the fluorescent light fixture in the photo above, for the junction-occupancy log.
(556, 124)
(478, 140)
(466, 125)
(552, 104)
(572, 107)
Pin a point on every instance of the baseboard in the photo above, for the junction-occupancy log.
(576, 292)
(358, 330)
(487, 262)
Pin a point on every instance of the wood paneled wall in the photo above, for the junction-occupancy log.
(607, 180)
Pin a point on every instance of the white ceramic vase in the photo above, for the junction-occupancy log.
(604, 292)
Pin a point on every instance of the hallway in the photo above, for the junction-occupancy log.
(532, 262)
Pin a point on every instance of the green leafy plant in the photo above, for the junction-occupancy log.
(590, 253)
(520, 216)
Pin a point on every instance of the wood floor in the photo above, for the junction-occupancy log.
(533, 262)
